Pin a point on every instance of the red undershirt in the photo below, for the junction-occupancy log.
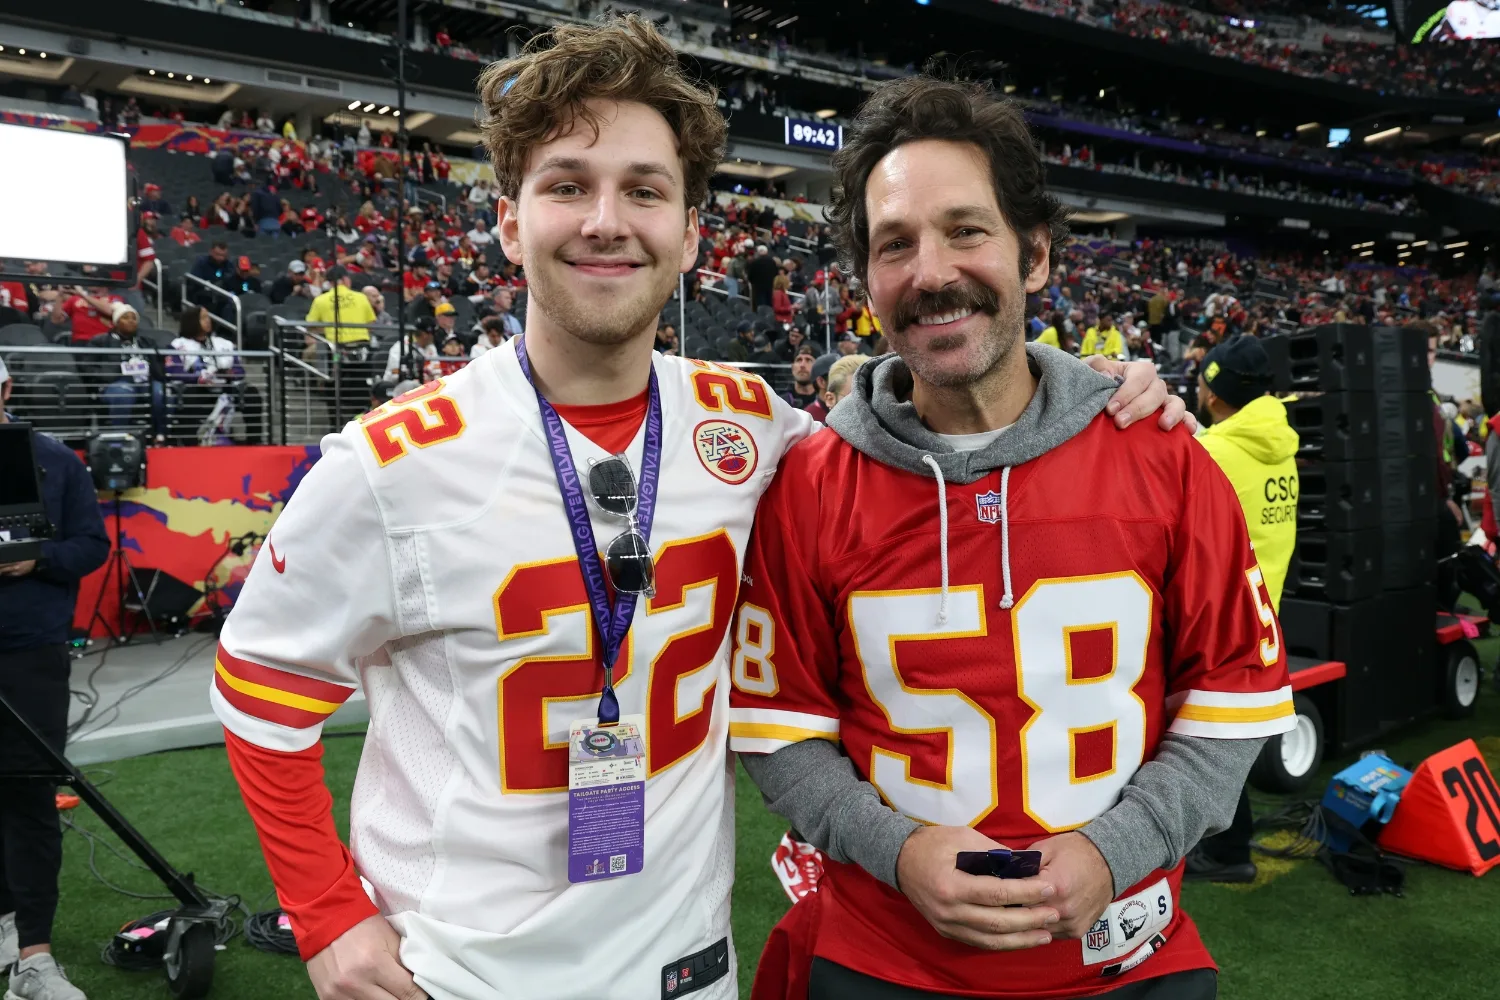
(288, 800)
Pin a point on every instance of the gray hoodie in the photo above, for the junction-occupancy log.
(1190, 788)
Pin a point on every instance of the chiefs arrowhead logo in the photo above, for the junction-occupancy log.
(279, 565)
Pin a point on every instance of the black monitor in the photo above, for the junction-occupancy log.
(20, 479)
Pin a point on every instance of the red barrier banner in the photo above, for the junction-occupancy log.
(197, 502)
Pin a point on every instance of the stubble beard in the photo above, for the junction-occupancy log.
(621, 321)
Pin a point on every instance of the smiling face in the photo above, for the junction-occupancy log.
(600, 225)
(944, 271)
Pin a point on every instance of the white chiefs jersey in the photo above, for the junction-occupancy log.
(1469, 19)
(427, 558)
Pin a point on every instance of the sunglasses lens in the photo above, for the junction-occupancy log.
(628, 562)
(613, 486)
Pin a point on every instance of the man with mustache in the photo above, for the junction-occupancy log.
(980, 659)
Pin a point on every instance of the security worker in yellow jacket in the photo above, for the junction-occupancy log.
(1247, 433)
(1105, 339)
(352, 307)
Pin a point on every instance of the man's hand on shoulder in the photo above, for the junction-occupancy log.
(1141, 393)
(1073, 865)
(363, 964)
(980, 910)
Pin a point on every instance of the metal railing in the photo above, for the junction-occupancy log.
(798, 298)
(433, 196)
(158, 286)
(238, 326)
(179, 396)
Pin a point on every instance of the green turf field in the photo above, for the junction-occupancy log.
(1296, 933)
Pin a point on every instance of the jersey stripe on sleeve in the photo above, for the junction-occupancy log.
(1232, 715)
(766, 730)
(276, 696)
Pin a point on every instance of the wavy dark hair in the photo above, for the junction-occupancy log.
(542, 93)
(925, 107)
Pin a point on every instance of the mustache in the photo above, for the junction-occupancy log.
(969, 295)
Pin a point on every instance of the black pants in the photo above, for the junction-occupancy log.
(1232, 846)
(35, 683)
(831, 981)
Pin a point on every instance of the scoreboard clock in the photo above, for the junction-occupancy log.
(809, 134)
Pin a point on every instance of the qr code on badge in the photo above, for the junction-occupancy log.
(616, 863)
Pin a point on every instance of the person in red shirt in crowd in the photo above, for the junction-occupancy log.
(312, 219)
(416, 278)
(145, 253)
(185, 233)
(444, 41)
(441, 166)
(88, 311)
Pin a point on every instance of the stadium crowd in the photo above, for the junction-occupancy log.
(1447, 70)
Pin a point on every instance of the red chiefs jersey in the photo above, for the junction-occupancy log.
(1136, 609)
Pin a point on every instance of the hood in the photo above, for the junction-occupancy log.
(879, 420)
(1260, 430)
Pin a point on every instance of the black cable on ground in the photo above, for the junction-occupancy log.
(271, 932)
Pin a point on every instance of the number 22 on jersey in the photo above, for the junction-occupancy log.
(538, 696)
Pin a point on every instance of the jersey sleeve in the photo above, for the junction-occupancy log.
(1226, 672)
(786, 652)
(318, 598)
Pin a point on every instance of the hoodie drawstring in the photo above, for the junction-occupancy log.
(1007, 600)
(942, 492)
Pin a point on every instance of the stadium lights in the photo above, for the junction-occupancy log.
(1404, 253)
(189, 78)
(1455, 246)
(207, 80)
(1385, 133)
(153, 72)
(1308, 126)
(823, 114)
(353, 105)
(1420, 243)
(370, 106)
(1366, 253)
(44, 55)
(395, 114)
(22, 51)
(384, 109)
(1260, 133)
(1361, 246)
(171, 76)
(1458, 255)
(1402, 246)
(1101, 93)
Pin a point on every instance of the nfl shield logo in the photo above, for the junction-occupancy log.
(1097, 938)
(672, 981)
(988, 505)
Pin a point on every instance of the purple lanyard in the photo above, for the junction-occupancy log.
(613, 623)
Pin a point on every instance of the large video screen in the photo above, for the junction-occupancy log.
(1455, 20)
(68, 200)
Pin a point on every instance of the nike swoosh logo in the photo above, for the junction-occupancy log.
(279, 565)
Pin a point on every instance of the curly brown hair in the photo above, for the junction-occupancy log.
(541, 94)
(924, 107)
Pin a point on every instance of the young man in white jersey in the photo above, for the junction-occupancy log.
(472, 553)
